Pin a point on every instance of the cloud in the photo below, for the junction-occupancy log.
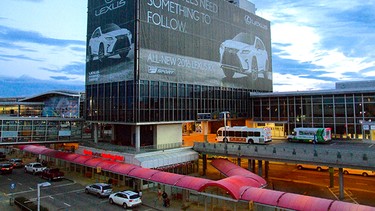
(324, 40)
(16, 35)
(76, 68)
(32, 0)
(23, 57)
(61, 78)
(25, 86)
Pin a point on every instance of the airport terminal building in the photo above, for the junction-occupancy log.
(154, 65)
(155, 71)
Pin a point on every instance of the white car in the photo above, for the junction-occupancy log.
(308, 166)
(364, 173)
(245, 54)
(125, 199)
(107, 41)
(34, 168)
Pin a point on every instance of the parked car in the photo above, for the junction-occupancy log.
(364, 173)
(52, 174)
(17, 162)
(2, 155)
(107, 41)
(34, 168)
(6, 168)
(308, 166)
(245, 54)
(125, 198)
(99, 189)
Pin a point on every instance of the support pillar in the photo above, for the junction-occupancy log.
(137, 138)
(95, 132)
(260, 169)
(331, 178)
(204, 129)
(239, 161)
(266, 168)
(204, 158)
(341, 184)
(251, 165)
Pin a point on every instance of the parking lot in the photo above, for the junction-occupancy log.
(64, 194)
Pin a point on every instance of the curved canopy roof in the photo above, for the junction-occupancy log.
(230, 169)
(241, 187)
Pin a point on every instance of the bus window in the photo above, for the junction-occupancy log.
(256, 134)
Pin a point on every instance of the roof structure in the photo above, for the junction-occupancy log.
(245, 187)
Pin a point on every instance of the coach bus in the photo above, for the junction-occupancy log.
(243, 134)
(314, 135)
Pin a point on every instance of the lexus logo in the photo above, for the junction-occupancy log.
(108, 1)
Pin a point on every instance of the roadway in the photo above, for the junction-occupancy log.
(284, 176)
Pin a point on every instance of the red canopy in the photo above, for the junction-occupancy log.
(230, 169)
(193, 183)
(302, 202)
(36, 149)
(123, 168)
(166, 177)
(107, 164)
(345, 206)
(143, 173)
(81, 159)
(93, 162)
(263, 196)
(66, 156)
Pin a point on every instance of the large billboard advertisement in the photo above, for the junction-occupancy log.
(210, 42)
(110, 41)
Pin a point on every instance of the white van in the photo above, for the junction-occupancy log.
(364, 173)
(309, 166)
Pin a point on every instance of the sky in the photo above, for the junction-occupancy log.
(314, 44)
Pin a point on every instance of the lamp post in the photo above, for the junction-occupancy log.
(225, 113)
(44, 184)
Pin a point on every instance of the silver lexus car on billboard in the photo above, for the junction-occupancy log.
(107, 41)
(245, 54)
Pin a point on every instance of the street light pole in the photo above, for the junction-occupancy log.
(225, 131)
(44, 184)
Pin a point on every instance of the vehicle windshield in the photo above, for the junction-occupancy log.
(245, 38)
(110, 27)
(38, 165)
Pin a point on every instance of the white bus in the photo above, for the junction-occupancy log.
(319, 135)
(243, 134)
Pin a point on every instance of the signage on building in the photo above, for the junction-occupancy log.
(104, 155)
(210, 42)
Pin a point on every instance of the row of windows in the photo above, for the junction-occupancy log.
(239, 133)
(289, 107)
(342, 113)
(161, 101)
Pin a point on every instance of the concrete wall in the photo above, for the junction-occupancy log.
(168, 134)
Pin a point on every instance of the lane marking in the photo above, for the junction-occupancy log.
(67, 204)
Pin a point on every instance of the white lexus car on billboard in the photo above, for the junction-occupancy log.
(107, 41)
(245, 54)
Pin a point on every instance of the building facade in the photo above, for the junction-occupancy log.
(345, 111)
(51, 116)
(153, 65)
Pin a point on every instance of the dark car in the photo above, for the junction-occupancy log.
(52, 174)
(17, 162)
(6, 168)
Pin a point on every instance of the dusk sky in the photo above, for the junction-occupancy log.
(314, 44)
